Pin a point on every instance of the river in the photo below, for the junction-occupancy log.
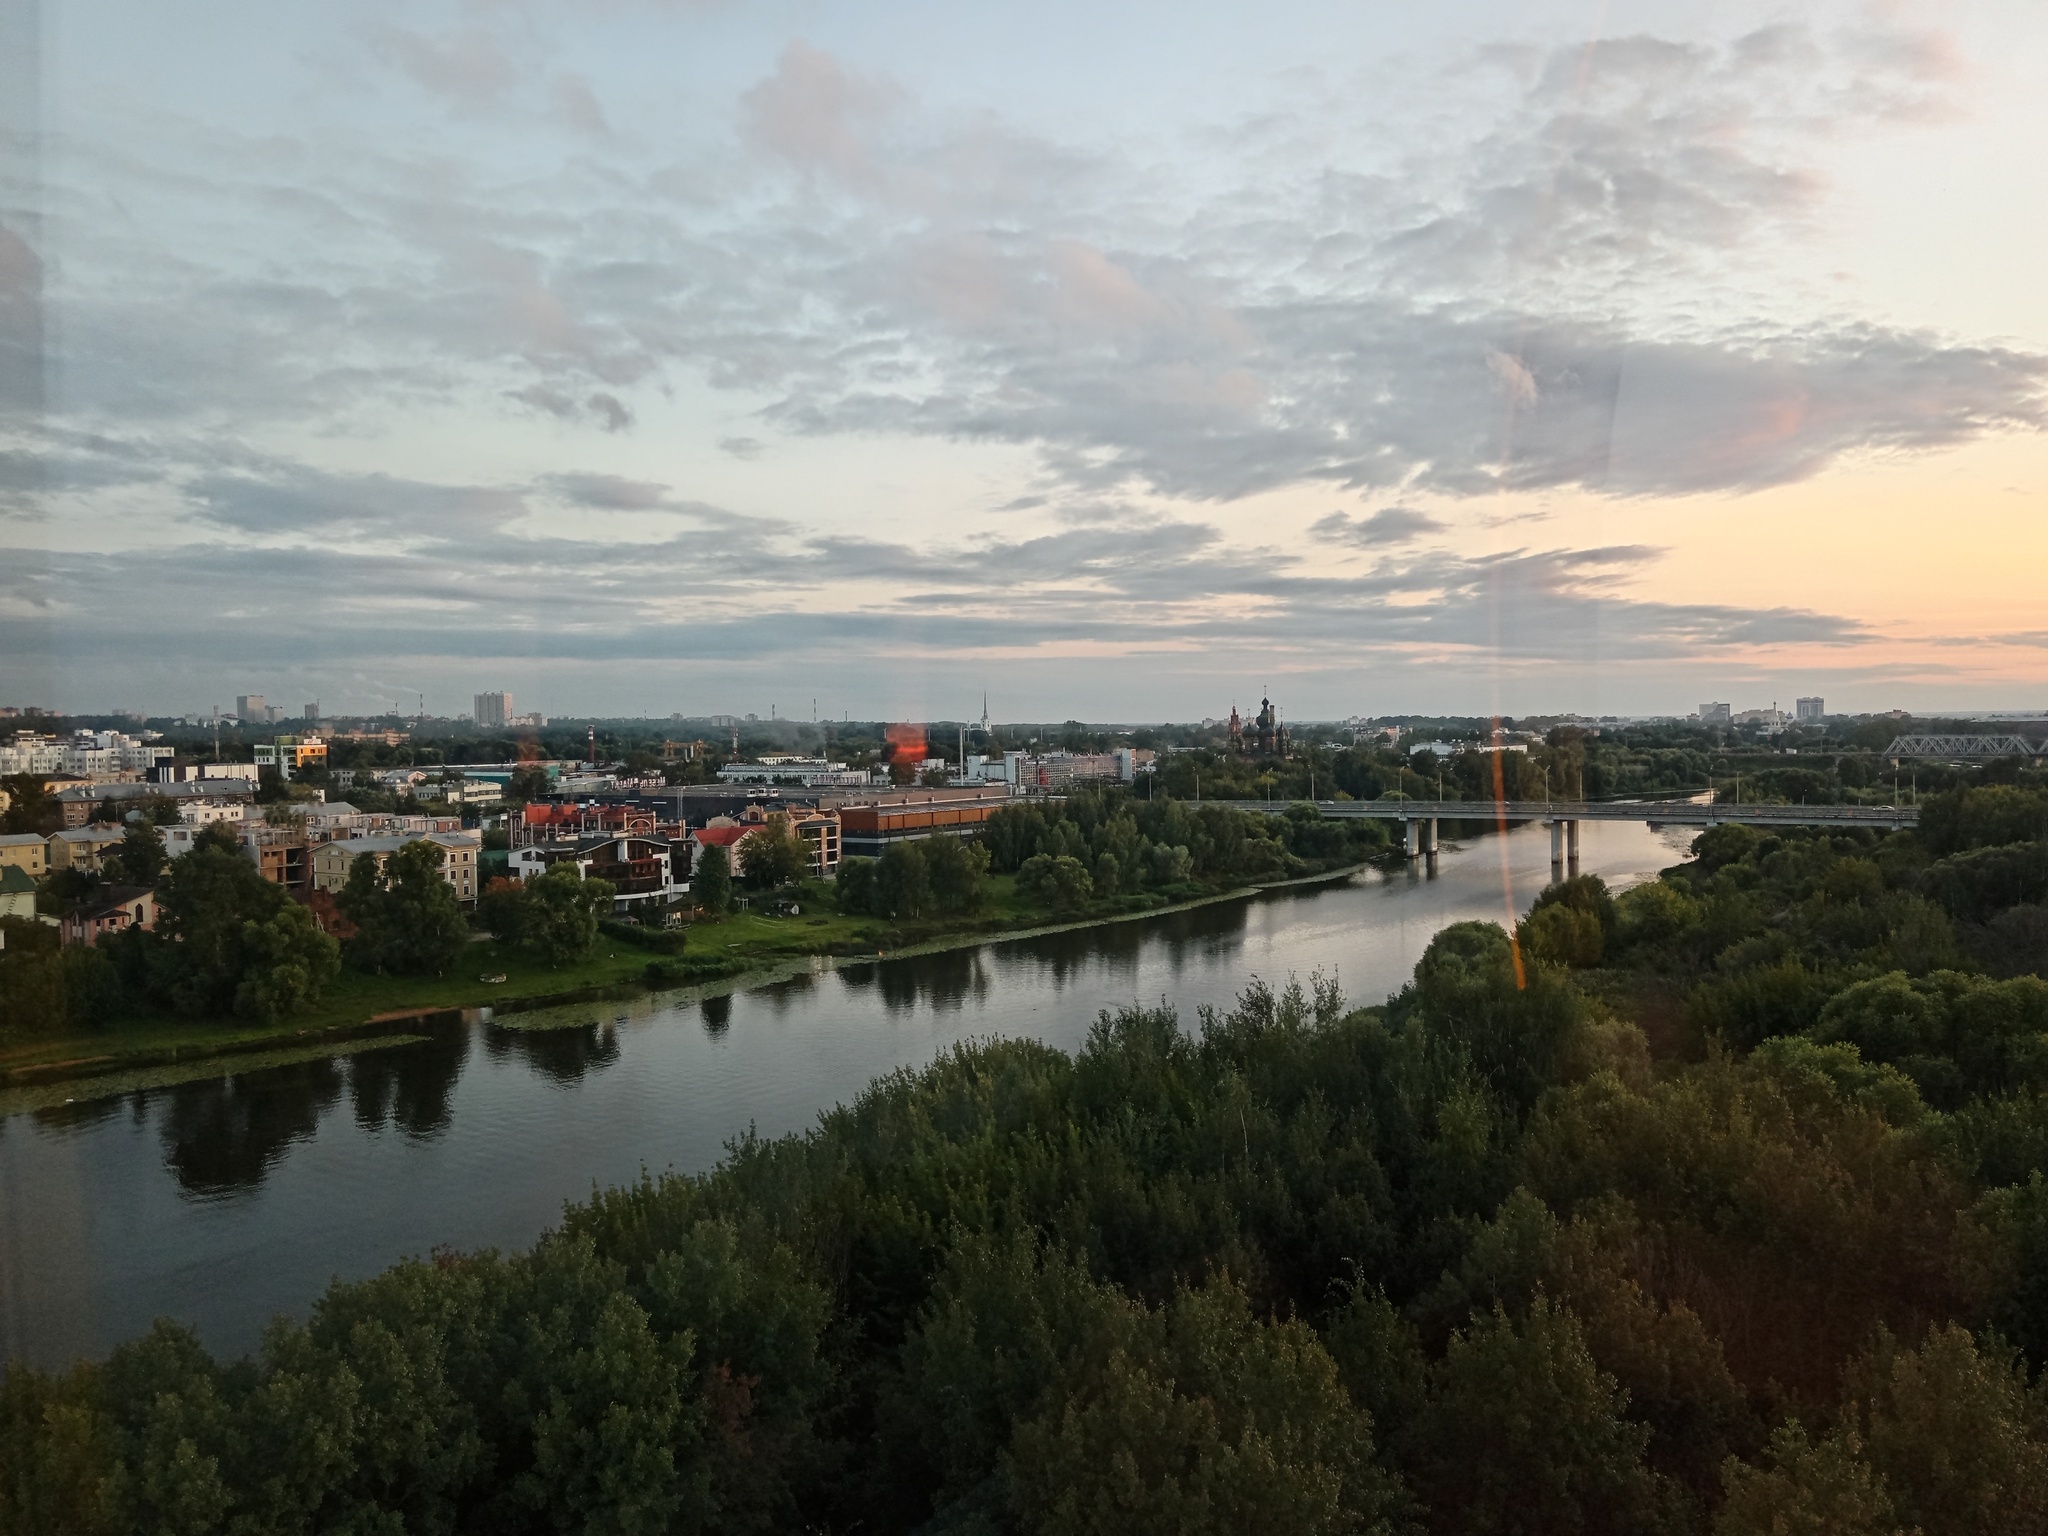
(224, 1201)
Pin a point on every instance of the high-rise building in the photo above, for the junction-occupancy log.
(250, 706)
(494, 710)
(1716, 714)
(1810, 710)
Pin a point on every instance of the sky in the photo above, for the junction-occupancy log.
(1118, 362)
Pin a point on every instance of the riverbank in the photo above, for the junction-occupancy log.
(724, 955)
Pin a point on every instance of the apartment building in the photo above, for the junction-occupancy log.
(85, 755)
(25, 851)
(83, 847)
(290, 755)
(461, 855)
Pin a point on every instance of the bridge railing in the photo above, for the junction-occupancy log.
(1676, 813)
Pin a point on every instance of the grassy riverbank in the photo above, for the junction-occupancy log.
(720, 950)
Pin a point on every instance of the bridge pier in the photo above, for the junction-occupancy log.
(1411, 836)
(1564, 848)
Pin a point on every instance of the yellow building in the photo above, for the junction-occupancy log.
(459, 859)
(26, 851)
(83, 847)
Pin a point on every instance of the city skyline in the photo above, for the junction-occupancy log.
(635, 359)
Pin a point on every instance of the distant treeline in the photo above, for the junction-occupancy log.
(1102, 850)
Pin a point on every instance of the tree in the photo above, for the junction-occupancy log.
(140, 860)
(48, 989)
(1524, 1433)
(1954, 1432)
(407, 918)
(286, 963)
(1824, 1488)
(771, 855)
(1060, 881)
(528, 782)
(562, 909)
(958, 875)
(213, 908)
(1223, 1424)
(711, 881)
(30, 806)
(854, 885)
(902, 882)
(502, 909)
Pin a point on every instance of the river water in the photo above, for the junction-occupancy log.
(224, 1201)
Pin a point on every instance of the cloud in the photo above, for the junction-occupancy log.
(1389, 525)
(577, 105)
(286, 499)
(816, 114)
(612, 413)
(1574, 276)
(468, 67)
(1493, 322)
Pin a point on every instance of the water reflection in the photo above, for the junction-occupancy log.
(75, 1117)
(717, 1014)
(562, 1056)
(780, 996)
(408, 1086)
(223, 1136)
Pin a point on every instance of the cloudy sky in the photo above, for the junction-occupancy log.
(1120, 360)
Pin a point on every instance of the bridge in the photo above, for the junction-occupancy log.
(1419, 818)
(1964, 746)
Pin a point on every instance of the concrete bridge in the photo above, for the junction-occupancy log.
(1419, 818)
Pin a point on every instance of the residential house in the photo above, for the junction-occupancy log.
(644, 870)
(17, 893)
(83, 847)
(460, 857)
(26, 851)
(819, 829)
(112, 909)
(720, 832)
